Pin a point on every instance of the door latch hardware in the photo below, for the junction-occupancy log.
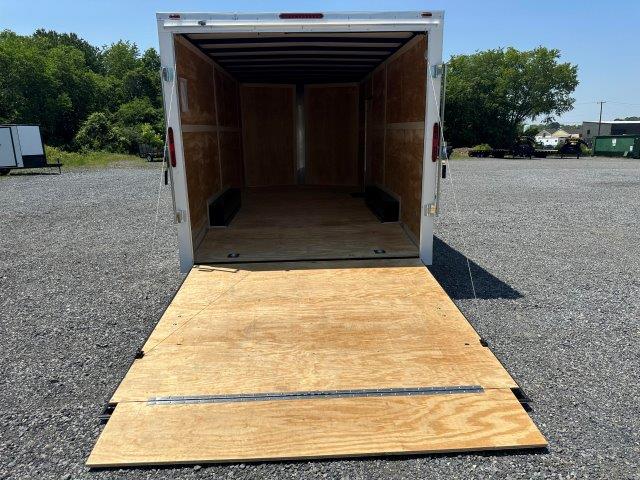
(437, 70)
(430, 210)
(167, 74)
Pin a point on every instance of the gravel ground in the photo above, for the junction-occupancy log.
(555, 256)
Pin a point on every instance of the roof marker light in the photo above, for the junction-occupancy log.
(300, 16)
(174, 16)
(426, 14)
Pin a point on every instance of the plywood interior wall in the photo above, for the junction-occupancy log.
(209, 113)
(332, 135)
(244, 135)
(268, 130)
(229, 132)
(395, 93)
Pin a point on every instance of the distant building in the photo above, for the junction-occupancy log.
(543, 134)
(545, 139)
(589, 130)
(552, 140)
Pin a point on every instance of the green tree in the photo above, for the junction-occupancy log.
(141, 83)
(81, 96)
(71, 93)
(531, 130)
(92, 55)
(120, 58)
(491, 93)
(95, 132)
(23, 83)
(137, 112)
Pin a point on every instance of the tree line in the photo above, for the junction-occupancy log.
(109, 98)
(491, 94)
(83, 97)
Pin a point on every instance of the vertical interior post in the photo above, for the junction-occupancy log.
(300, 135)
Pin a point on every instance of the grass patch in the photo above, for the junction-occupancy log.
(459, 153)
(90, 159)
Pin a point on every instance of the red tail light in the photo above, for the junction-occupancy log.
(172, 148)
(299, 16)
(435, 144)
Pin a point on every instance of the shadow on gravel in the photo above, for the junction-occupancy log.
(450, 269)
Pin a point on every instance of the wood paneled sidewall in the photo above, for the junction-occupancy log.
(376, 126)
(231, 158)
(395, 129)
(403, 164)
(211, 136)
(332, 135)
(406, 85)
(195, 85)
(202, 163)
(229, 134)
(268, 131)
(200, 143)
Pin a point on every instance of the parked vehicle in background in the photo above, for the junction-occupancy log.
(21, 147)
(525, 146)
(571, 147)
(149, 152)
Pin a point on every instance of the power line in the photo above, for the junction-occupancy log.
(608, 101)
(624, 103)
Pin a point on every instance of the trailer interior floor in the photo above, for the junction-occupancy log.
(311, 359)
(303, 223)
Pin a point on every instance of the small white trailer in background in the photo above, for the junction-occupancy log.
(304, 153)
(21, 146)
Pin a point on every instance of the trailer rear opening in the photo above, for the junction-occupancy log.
(304, 171)
(300, 122)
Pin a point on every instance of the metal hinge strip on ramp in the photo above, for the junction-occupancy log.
(316, 394)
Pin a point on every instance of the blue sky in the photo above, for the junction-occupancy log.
(602, 38)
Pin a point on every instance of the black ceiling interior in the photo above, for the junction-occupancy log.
(300, 57)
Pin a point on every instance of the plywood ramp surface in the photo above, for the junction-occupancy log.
(303, 223)
(141, 434)
(253, 329)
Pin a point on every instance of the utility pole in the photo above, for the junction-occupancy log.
(600, 121)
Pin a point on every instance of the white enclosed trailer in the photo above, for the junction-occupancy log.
(368, 70)
(304, 153)
(21, 146)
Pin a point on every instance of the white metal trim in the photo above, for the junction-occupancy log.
(172, 112)
(270, 22)
(429, 168)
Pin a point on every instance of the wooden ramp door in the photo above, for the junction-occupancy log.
(275, 361)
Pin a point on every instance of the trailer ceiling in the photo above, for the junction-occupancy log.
(300, 57)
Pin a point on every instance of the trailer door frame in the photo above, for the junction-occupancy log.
(430, 167)
(172, 119)
(170, 24)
